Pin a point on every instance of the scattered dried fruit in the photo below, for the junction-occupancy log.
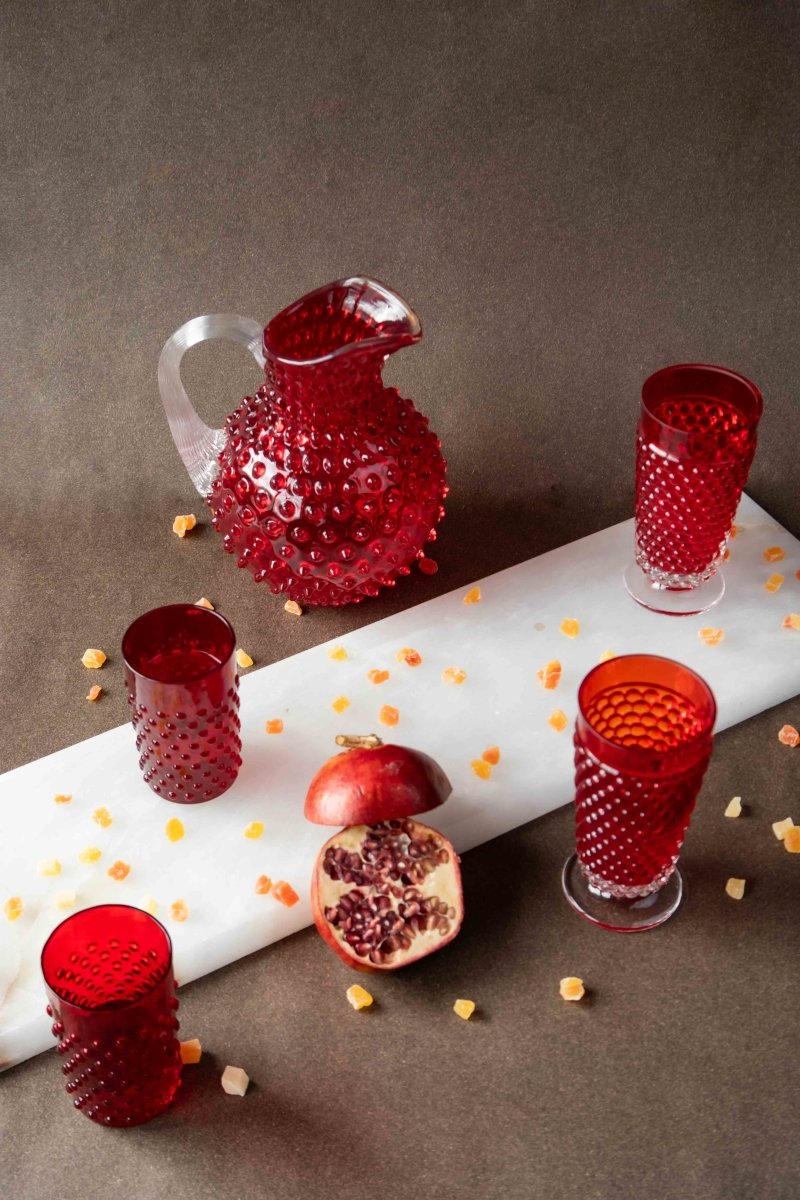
(179, 910)
(263, 885)
(337, 653)
(243, 659)
(388, 715)
(773, 584)
(791, 840)
(571, 988)
(274, 725)
(473, 596)
(735, 530)
(62, 799)
(711, 637)
(606, 656)
(285, 893)
(792, 621)
(235, 1081)
(49, 866)
(550, 675)
(780, 828)
(481, 768)
(183, 523)
(797, 574)
(408, 656)
(120, 870)
(90, 854)
(491, 755)
(735, 888)
(377, 676)
(64, 900)
(103, 817)
(174, 829)
(726, 553)
(734, 808)
(464, 1009)
(13, 908)
(558, 720)
(93, 659)
(453, 675)
(774, 554)
(204, 602)
(191, 1051)
(149, 905)
(788, 735)
(340, 704)
(291, 606)
(570, 627)
(428, 566)
(94, 693)
(358, 996)
(254, 830)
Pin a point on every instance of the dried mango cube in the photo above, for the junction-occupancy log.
(243, 659)
(735, 888)
(481, 768)
(781, 828)
(103, 817)
(204, 602)
(550, 675)
(797, 574)
(120, 870)
(774, 554)
(337, 653)
(735, 530)
(284, 892)
(179, 910)
(358, 996)
(571, 988)
(726, 554)
(792, 621)
(428, 566)
(235, 1081)
(191, 1051)
(292, 607)
(473, 596)
(174, 829)
(274, 725)
(93, 659)
(388, 715)
(491, 755)
(254, 830)
(606, 656)
(49, 866)
(183, 523)
(64, 900)
(263, 885)
(558, 720)
(774, 582)
(412, 658)
(13, 908)
(90, 854)
(453, 675)
(464, 1009)
(791, 840)
(340, 704)
(94, 693)
(570, 627)
(734, 808)
(62, 799)
(149, 905)
(788, 735)
(377, 676)
(711, 637)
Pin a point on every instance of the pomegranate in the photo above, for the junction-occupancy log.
(386, 889)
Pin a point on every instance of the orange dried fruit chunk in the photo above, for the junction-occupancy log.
(204, 602)
(412, 658)
(453, 675)
(797, 574)
(174, 829)
(120, 870)
(428, 566)
(254, 830)
(263, 885)
(13, 908)
(340, 704)
(95, 691)
(191, 1051)
(378, 676)
(285, 893)
(179, 910)
(62, 799)
(571, 988)
(337, 653)
(711, 637)
(464, 1009)
(481, 768)
(292, 607)
(726, 553)
(93, 659)
(558, 720)
(358, 996)
(735, 888)
(791, 839)
(49, 866)
(183, 523)
(90, 854)
(780, 828)
(243, 659)
(388, 715)
(103, 817)
(735, 530)
(275, 725)
(491, 755)
(774, 554)
(570, 627)
(788, 735)
(773, 584)
(792, 621)
(473, 596)
(550, 675)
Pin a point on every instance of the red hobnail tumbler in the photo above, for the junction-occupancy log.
(180, 674)
(695, 443)
(643, 740)
(108, 974)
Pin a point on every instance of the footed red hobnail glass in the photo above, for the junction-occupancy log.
(325, 484)
(182, 685)
(643, 740)
(111, 992)
(695, 444)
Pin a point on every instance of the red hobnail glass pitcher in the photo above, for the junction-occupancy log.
(325, 484)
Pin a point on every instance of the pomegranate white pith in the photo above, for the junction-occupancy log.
(387, 894)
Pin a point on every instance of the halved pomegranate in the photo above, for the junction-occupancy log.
(386, 889)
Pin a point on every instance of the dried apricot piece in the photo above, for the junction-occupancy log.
(13, 908)
(491, 755)
(788, 735)
(734, 808)
(481, 768)
(174, 829)
(49, 866)
(428, 566)
(774, 554)
(235, 1081)
(464, 1009)
(388, 715)
(204, 602)
(726, 553)
(453, 675)
(571, 988)
(62, 799)
(378, 676)
(558, 720)
(570, 627)
(120, 870)
(274, 725)
(337, 653)
(792, 621)
(183, 523)
(191, 1051)
(179, 910)
(780, 828)
(243, 659)
(263, 885)
(797, 574)
(64, 900)
(735, 530)
(285, 893)
(358, 996)
(93, 659)
(774, 582)
(711, 637)
(340, 704)
(293, 608)
(791, 840)
(412, 658)
(90, 854)
(103, 817)
(254, 830)
(94, 693)
(550, 676)
(735, 888)
(473, 596)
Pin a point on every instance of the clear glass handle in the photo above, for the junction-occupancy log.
(198, 445)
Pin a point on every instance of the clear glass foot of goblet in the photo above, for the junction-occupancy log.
(672, 601)
(621, 916)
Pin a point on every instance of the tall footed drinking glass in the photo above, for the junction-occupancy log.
(695, 443)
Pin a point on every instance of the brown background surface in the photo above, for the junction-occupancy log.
(571, 195)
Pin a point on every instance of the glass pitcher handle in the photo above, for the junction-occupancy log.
(198, 445)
